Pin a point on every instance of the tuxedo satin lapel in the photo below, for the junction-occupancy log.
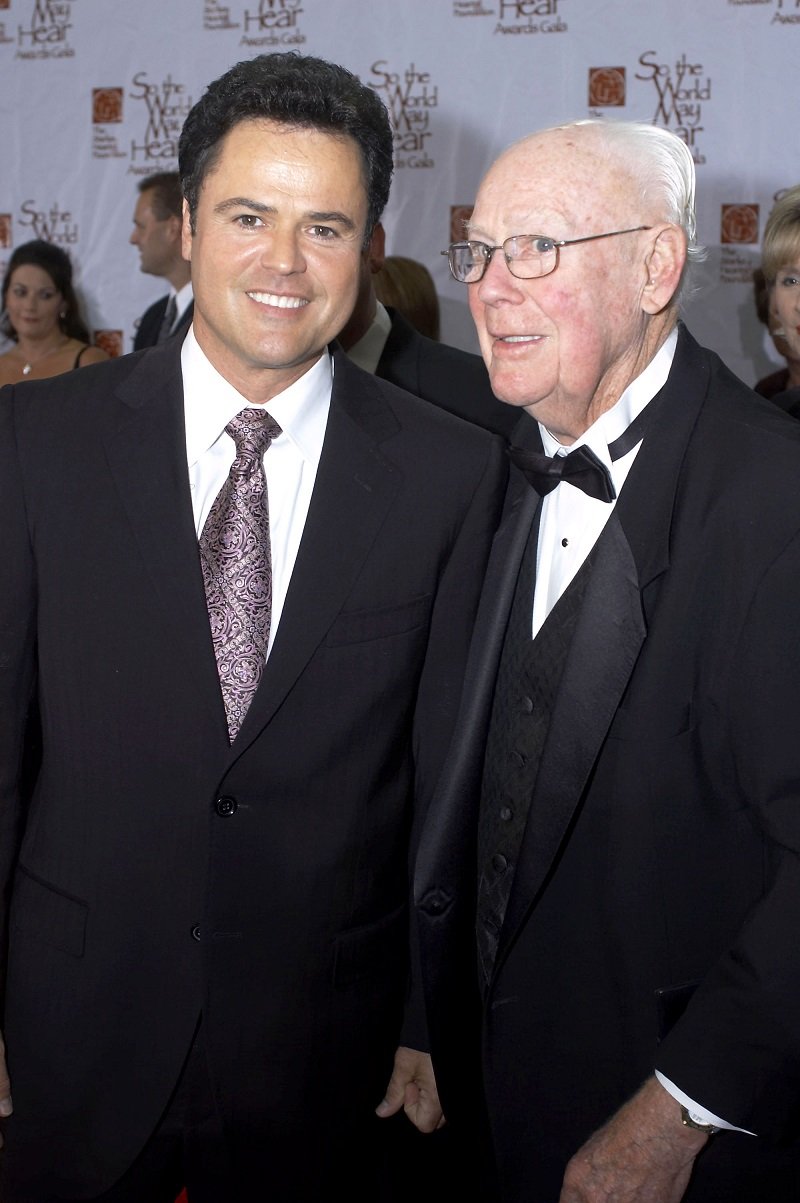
(449, 810)
(355, 486)
(607, 640)
(146, 448)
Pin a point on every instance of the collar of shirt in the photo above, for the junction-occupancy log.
(210, 402)
(615, 421)
(182, 297)
(570, 521)
(367, 351)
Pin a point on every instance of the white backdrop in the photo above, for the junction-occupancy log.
(93, 94)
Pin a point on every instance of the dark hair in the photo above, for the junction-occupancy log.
(167, 194)
(295, 90)
(56, 263)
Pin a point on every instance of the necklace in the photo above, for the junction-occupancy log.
(28, 367)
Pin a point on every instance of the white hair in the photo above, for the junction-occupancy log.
(661, 165)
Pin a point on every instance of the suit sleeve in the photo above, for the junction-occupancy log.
(440, 686)
(737, 1047)
(17, 635)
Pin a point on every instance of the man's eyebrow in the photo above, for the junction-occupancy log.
(245, 202)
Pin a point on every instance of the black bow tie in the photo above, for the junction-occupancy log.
(581, 467)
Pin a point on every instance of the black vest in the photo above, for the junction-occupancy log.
(527, 685)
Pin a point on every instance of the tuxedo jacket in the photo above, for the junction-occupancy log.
(652, 916)
(150, 323)
(159, 872)
(453, 379)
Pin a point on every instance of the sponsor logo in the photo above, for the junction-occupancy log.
(155, 109)
(739, 223)
(682, 88)
(529, 16)
(45, 34)
(606, 87)
(738, 228)
(410, 97)
(53, 224)
(5, 230)
(107, 105)
(787, 13)
(110, 341)
(263, 23)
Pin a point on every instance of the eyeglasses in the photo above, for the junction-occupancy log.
(528, 255)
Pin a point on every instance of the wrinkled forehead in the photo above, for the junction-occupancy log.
(560, 181)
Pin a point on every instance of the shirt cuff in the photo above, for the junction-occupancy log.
(698, 1113)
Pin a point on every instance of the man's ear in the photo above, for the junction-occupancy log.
(663, 266)
(186, 234)
(376, 251)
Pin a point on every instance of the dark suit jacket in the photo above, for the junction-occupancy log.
(137, 901)
(150, 323)
(662, 848)
(450, 378)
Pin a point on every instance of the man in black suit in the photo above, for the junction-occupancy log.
(381, 340)
(621, 806)
(157, 225)
(208, 966)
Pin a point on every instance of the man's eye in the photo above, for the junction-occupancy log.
(248, 221)
(543, 246)
(324, 232)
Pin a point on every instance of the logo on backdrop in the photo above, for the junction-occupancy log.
(263, 23)
(738, 229)
(45, 33)
(516, 16)
(159, 110)
(5, 231)
(784, 12)
(53, 223)
(681, 88)
(410, 97)
(606, 87)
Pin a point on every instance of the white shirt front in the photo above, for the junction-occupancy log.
(290, 463)
(571, 521)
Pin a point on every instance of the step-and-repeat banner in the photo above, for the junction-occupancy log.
(93, 94)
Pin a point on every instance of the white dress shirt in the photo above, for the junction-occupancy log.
(571, 521)
(290, 463)
(183, 297)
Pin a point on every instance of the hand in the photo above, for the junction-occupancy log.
(412, 1086)
(642, 1155)
(5, 1086)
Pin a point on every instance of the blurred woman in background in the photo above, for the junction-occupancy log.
(40, 313)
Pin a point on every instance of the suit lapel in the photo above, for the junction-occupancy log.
(146, 450)
(631, 556)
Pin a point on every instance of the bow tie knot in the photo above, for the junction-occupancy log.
(580, 468)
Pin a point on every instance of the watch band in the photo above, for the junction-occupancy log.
(688, 1121)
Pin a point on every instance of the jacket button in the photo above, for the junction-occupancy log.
(506, 814)
(225, 806)
(499, 863)
(196, 932)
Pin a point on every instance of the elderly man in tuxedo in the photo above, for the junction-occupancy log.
(240, 580)
(616, 843)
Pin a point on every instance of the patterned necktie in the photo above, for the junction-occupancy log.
(168, 320)
(237, 570)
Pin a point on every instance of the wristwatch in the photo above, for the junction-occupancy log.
(689, 1121)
